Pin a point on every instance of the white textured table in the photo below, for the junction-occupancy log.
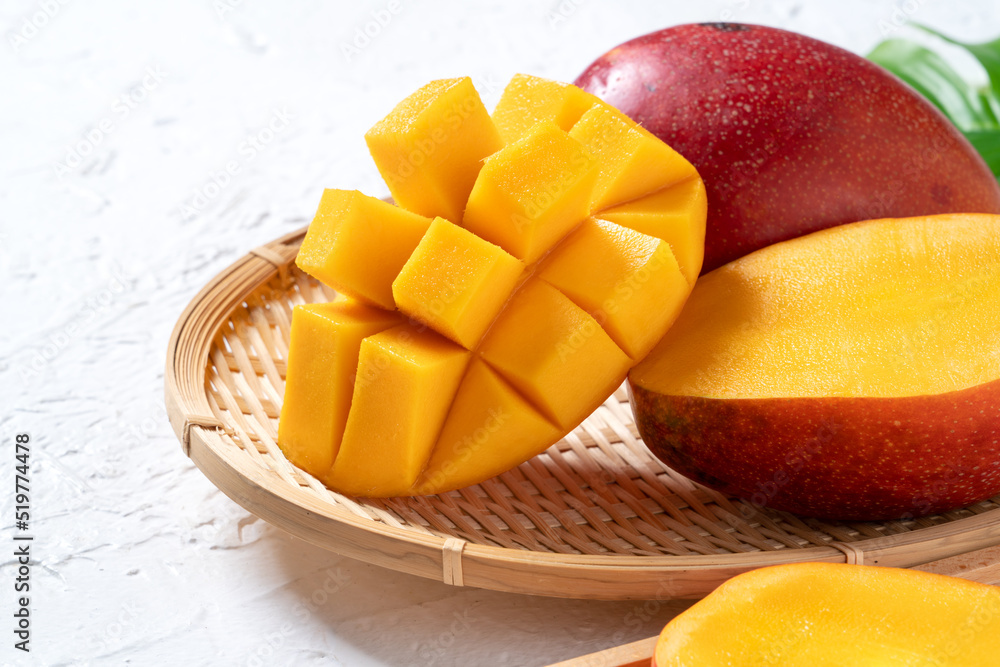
(142, 151)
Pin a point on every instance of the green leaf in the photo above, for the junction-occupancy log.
(987, 53)
(935, 79)
(987, 143)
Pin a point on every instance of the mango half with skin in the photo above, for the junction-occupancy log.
(826, 614)
(534, 257)
(850, 374)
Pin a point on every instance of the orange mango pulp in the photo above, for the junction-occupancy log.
(523, 311)
(825, 614)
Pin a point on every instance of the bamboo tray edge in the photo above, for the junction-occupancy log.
(258, 478)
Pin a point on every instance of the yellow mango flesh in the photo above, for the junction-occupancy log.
(669, 215)
(405, 382)
(430, 148)
(322, 359)
(455, 282)
(357, 244)
(489, 425)
(532, 192)
(632, 161)
(638, 292)
(824, 614)
(914, 323)
(520, 322)
(528, 100)
(554, 353)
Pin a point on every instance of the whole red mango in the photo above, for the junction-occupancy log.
(791, 135)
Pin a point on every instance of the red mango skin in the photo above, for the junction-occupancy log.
(791, 135)
(841, 458)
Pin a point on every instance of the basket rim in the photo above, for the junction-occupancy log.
(295, 511)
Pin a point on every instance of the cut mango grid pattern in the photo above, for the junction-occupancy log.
(533, 257)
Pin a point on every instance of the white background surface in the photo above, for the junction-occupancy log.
(139, 559)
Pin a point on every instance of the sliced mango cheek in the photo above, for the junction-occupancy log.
(520, 322)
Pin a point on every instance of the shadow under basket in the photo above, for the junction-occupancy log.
(594, 516)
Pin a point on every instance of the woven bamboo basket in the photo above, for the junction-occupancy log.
(595, 516)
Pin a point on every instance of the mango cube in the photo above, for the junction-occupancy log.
(455, 282)
(357, 244)
(532, 192)
(528, 100)
(405, 383)
(489, 428)
(430, 148)
(553, 352)
(676, 215)
(322, 360)
(637, 293)
(633, 161)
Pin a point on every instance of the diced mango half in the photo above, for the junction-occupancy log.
(633, 162)
(455, 282)
(322, 360)
(675, 214)
(528, 100)
(508, 297)
(430, 148)
(532, 192)
(357, 244)
(406, 380)
(638, 292)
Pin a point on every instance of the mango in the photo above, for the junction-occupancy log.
(792, 135)
(430, 148)
(853, 373)
(358, 244)
(826, 615)
(495, 309)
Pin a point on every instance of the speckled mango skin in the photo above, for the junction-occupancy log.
(834, 457)
(790, 134)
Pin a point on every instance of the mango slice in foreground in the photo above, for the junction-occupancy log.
(510, 316)
(826, 615)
